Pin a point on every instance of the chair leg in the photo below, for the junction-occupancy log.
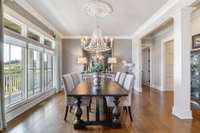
(109, 113)
(90, 106)
(130, 113)
(88, 111)
(66, 111)
(125, 108)
(70, 110)
(105, 105)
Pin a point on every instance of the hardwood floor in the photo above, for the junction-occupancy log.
(151, 110)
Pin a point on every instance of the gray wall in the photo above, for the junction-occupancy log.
(71, 50)
(122, 49)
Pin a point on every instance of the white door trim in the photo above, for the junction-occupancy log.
(163, 42)
(151, 68)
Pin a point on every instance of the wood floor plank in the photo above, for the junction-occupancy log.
(151, 114)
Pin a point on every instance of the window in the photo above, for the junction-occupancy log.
(13, 74)
(28, 68)
(34, 72)
(48, 43)
(32, 35)
(48, 70)
(8, 24)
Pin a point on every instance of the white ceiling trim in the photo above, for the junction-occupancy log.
(32, 11)
(114, 37)
(162, 15)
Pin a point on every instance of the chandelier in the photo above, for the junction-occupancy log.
(97, 43)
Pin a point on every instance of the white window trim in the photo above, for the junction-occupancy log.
(14, 41)
(28, 44)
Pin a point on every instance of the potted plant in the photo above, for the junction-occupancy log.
(96, 69)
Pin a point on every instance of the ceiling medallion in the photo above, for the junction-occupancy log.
(97, 8)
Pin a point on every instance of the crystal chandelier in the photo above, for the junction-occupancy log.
(97, 43)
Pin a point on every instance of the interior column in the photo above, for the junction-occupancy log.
(137, 61)
(182, 76)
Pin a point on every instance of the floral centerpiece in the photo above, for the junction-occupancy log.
(96, 69)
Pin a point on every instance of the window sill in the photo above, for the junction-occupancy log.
(26, 101)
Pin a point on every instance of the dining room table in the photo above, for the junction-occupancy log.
(107, 88)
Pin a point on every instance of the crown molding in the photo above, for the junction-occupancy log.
(79, 37)
(24, 4)
(162, 15)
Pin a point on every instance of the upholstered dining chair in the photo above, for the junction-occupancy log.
(117, 76)
(76, 78)
(70, 101)
(125, 102)
(122, 78)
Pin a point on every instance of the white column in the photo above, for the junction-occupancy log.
(136, 43)
(182, 77)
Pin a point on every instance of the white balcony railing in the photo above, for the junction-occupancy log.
(13, 87)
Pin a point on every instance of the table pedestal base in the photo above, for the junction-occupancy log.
(115, 123)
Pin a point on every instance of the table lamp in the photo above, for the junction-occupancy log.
(83, 61)
(112, 61)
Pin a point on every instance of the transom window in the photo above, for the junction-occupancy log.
(32, 35)
(10, 25)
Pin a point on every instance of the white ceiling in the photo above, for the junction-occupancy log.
(67, 16)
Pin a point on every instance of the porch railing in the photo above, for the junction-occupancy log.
(12, 87)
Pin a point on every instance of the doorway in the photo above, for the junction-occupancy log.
(146, 67)
(168, 63)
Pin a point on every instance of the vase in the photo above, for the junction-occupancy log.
(96, 80)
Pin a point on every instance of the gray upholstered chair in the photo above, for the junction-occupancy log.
(70, 101)
(76, 78)
(117, 76)
(125, 102)
(122, 78)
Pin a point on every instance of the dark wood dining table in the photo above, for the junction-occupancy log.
(108, 88)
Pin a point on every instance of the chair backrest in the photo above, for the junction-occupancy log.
(76, 78)
(128, 85)
(68, 83)
(128, 82)
(117, 76)
(122, 78)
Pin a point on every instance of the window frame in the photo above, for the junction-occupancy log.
(52, 54)
(11, 41)
(40, 50)
(25, 25)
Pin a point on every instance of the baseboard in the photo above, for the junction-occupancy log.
(182, 113)
(155, 87)
(138, 89)
(29, 104)
(159, 88)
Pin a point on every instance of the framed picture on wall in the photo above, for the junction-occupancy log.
(196, 41)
